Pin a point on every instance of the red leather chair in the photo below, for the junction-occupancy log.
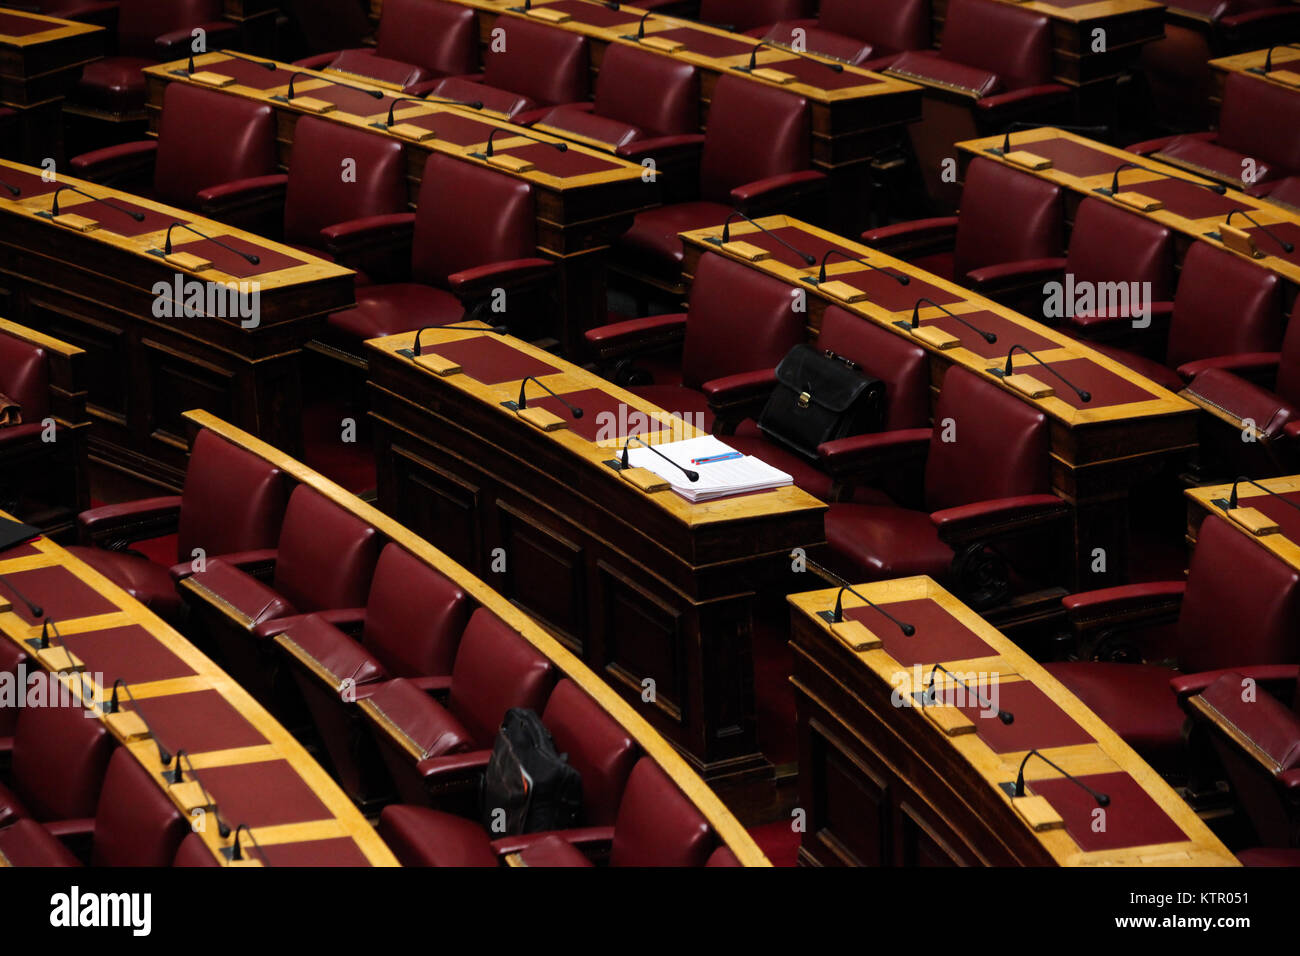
(25, 379)
(232, 502)
(11, 658)
(902, 365)
(988, 481)
(322, 212)
(739, 325)
(148, 32)
(1257, 739)
(733, 174)
(1225, 308)
(194, 852)
(425, 39)
(410, 627)
(1239, 607)
(1284, 192)
(495, 670)
(622, 114)
(27, 843)
(473, 232)
(59, 758)
(214, 154)
(1254, 110)
(869, 35)
(741, 15)
(1009, 222)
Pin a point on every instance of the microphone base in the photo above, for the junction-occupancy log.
(1009, 788)
(615, 464)
(827, 616)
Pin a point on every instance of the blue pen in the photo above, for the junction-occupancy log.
(729, 456)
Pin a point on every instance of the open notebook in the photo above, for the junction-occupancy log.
(730, 476)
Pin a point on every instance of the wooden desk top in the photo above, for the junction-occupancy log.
(1006, 666)
(1142, 398)
(1283, 542)
(577, 168)
(293, 268)
(567, 378)
(1074, 11)
(1084, 165)
(20, 29)
(176, 669)
(1285, 72)
(705, 800)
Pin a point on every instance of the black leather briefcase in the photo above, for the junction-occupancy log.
(821, 396)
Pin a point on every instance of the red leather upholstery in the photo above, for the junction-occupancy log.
(555, 851)
(1006, 216)
(369, 65)
(317, 196)
(547, 65)
(27, 843)
(1286, 192)
(194, 121)
(656, 824)
(419, 836)
(741, 15)
(597, 747)
(879, 30)
(442, 38)
(1109, 244)
(194, 852)
(1015, 44)
(25, 378)
(137, 824)
(495, 670)
(326, 557)
(59, 760)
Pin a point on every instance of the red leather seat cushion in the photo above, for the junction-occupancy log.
(419, 836)
(1135, 700)
(1243, 399)
(398, 307)
(652, 244)
(149, 583)
(336, 653)
(886, 541)
(27, 843)
(553, 851)
(429, 725)
(115, 84)
(1157, 372)
(1271, 726)
(242, 591)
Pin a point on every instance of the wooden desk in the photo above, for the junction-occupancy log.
(251, 766)
(629, 717)
(584, 198)
(100, 290)
(641, 586)
(1283, 542)
(1285, 72)
(1081, 165)
(889, 782)
(40, 62)
(1098, 449)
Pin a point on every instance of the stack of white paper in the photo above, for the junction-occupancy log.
(731, 476)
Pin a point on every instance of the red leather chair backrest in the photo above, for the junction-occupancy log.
(495, 670)
(1288, 368)
(59, 760)
(232, 500)
(742, 15)
(546, 64)
(1286, 192)
(1109, 244)
(25, 376)
(140, 22)
(1006, 216)
(739, 321)
(1224, 305)
(903, 366)
(194, 852)
(136, 824)
(1253, 119)
(722, 856)
(367, 67)
(656, 824)
(753, 132)
(414, 616)
(318, 196)
(441, 37)
(1242, 605)
(598, 748)
(1015, 44)
(999, 447)
(627, 73)
(194, 121)
(326, 556)
(469, 216)
(888, 25)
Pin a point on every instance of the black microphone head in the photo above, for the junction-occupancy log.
(1218, 188)
(254, 259)
(1006, 717)
(809, 260)
(223, 828)
(837, 67)
(904, 280)
(475, 104)
(1288, 246)
(1103, 800)
(164, 755)
(907, 629)
(989, 337)
(577, 412)
(691, 475)
(562, 147)
(1084, 395)
(13, 190)
(137, 216)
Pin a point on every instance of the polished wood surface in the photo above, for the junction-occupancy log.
(890, 784)
(96, 290)
(655, 746)
(1210, 499)
(342, 820)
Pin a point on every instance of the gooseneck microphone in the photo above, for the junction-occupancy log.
(1017, 789)
(167, 243)
(289, 93)
(417, 349)
(1084, 396)
(523, 398)
(557, 146)
(236, 852)
(916, 320)
(164, 755)
(1268, 58)
(821, 276)
(1286, 246)
(1021, 124)
(726, 236)
(753, 59)
(1218, 188)
(178, 776)
(34, 609)
(625, 462)
(387, 124)
(1003, 715)
(54, 204)
(13, 190)
(837, 615)
(640, 29)
(1227, 504)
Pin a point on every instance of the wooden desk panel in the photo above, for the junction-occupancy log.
(1286, 66)
(335, 825)
(891, 784)
(1099, 450)
(100, 290)
(1284, 543)
(640, 586)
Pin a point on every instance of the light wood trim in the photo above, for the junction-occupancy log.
(1202, 499)
(1254, 60)
(39, 339)
(57, 30)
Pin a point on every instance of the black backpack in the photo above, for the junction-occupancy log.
(821, 396)
(526, 778)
